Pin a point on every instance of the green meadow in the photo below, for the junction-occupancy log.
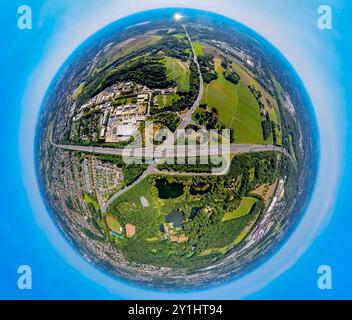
(243, 209)
(236, 106)
(198, 48)
(177, 71)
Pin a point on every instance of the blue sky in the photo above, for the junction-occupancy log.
(29, 61)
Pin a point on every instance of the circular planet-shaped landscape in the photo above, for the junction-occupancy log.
(176, 149)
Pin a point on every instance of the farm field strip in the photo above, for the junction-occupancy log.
(237, 107)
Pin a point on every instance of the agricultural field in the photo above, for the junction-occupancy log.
(270, 104)
(130, 45)
(236, 106)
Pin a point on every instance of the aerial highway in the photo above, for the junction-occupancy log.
(169, 150)
(155, 153)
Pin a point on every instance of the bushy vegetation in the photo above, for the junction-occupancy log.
(170, 120)
(207, 68)
(232, 76)
(204, 202)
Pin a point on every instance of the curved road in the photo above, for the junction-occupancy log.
(187, 117)
(106, 205)
(167, 151)
(170, 150)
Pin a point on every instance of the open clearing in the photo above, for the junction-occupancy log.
(243, 209)
(164, 100)
(130, 45)
(178, 71)
(180, 35)
(265, 191)
(113, 224)
(198, 48)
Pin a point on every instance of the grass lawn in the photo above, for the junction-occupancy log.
(171, 99)
(90, 199)
(180, 35)
(179, 72)
(160, 99)
(152, 239)
(243, 209)
(112, 223)
(236, 106)
(124, 101)
(198, 48)
(251, 174)
(78, 90)
(167, 100)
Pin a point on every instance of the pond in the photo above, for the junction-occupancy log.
(194, 212)
(168, 190)
(175, 217)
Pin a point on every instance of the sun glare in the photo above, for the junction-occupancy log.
(178, 17)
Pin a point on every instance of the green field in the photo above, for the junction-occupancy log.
(237, 108)
(126, 47)
(198, 49)
(180, 35)
(243, 209)
(248, 79)
(168, 100)
(112, 223)
(251, 174)
(91, 200)
(78, 90)
(178, 71)
(124, 101)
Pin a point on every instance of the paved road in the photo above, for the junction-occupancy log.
(170, 150)
(162, 152)
(187, 117)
